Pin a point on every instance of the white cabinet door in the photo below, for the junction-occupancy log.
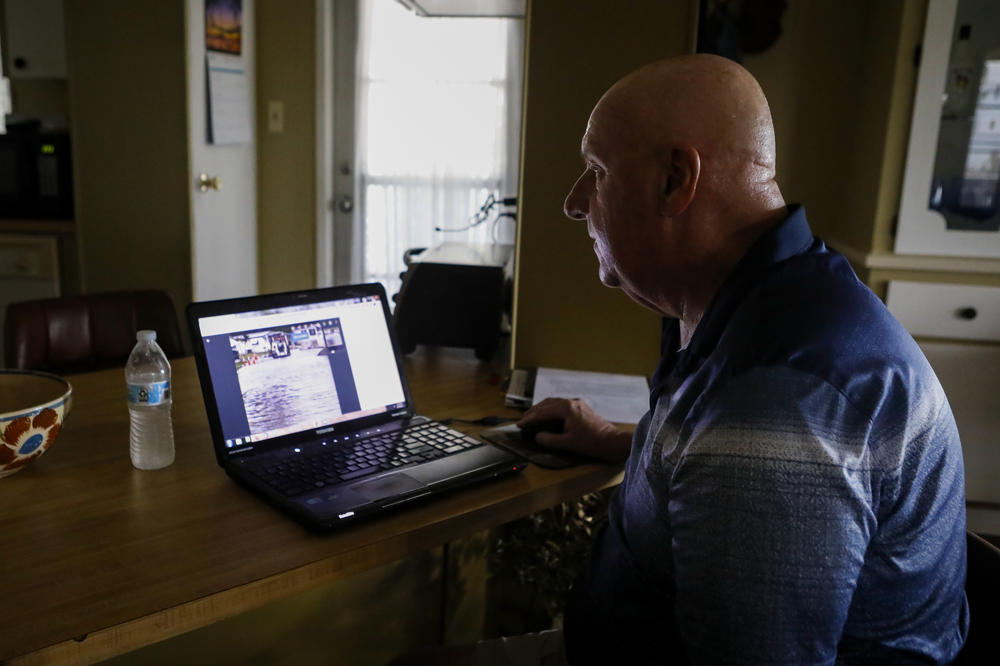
(29, 269)
(948, 311)
(36, 42)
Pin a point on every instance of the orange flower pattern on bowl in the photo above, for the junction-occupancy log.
(27, 432)
(26, 438)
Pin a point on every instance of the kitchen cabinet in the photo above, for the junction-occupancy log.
(951, 189)
(35, 39)
(29, 269)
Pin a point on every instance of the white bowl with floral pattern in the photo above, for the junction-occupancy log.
(32, 408)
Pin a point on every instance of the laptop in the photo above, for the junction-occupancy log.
(309, 407)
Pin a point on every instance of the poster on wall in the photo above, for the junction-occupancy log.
(224, 26)
(228, 100)
(228, 91)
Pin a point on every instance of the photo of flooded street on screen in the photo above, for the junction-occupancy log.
(286, 378)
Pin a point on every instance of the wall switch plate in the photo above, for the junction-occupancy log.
(275, 117)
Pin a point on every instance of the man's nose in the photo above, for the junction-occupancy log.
(575, 206)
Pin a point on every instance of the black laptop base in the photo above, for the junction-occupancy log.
(343, 504)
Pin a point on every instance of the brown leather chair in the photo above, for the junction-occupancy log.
(87, 332)
(982, 587)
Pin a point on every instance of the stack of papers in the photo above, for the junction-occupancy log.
(618, 398)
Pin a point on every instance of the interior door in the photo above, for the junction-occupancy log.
(223, 219)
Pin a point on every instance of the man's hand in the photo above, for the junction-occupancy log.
(584, 431)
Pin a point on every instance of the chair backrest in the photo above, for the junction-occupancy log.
(982, 587)
(87, 332)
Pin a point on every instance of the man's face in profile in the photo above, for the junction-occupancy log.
(617, 195)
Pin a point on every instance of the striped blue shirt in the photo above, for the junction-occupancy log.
(795, 494)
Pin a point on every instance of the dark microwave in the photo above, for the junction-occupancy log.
(35, 173)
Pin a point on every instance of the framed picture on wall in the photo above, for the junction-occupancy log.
(951, 187)
(224, 26)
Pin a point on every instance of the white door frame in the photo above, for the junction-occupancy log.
(325, 247)
(338, 252)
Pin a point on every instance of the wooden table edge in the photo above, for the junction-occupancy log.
(168, 623)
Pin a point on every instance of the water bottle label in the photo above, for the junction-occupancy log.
(153, 394)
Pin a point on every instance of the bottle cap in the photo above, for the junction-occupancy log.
(145, 336)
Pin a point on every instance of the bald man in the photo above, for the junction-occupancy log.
(796, 492)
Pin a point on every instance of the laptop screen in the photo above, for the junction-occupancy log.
(300, 368)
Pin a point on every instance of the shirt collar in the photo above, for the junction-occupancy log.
(786, 239)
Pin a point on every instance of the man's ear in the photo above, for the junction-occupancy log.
(683, 171)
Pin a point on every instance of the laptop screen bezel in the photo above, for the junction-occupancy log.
(199, 310)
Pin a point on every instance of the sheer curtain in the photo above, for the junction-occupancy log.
(439, 107)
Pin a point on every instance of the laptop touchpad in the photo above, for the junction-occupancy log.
(388, 486)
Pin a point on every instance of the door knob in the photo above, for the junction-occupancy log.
(206, 182)
(345, 203)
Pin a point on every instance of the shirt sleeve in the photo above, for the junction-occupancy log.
(771, 507)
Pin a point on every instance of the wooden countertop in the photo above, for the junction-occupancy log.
(101, 559)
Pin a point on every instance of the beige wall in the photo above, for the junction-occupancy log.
(286, 217)
(128, 109)
(563, 316)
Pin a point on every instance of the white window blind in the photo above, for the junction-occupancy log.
(438, 130)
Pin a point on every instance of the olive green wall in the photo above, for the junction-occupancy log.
(840, 81)
(576, 49)
(841, 86)
(286, 162)
(127, 72)
(780, 72)
(129, 134)
(43, 97)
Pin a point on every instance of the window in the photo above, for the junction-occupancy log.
(439, 124)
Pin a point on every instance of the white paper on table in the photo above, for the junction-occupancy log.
(229, 99)
(618, 398)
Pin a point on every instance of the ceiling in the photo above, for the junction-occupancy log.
(467, 8)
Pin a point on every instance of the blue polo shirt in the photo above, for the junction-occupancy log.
(795, 494)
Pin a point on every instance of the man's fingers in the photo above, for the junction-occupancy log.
(551, 440)
(547, 410)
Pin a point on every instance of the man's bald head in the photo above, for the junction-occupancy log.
(708, 102)
(679, 181)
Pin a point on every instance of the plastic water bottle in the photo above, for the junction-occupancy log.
(147, 379)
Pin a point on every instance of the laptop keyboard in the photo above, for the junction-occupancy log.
(345, 461)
